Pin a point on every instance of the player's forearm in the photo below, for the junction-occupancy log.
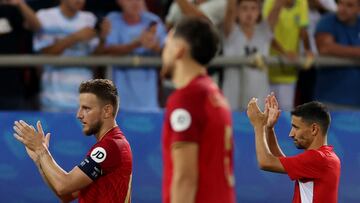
(44, 177)
(183, 190)
(273, 143)
(31, 20)
(263, 154)
(63, 198)
(54, 175)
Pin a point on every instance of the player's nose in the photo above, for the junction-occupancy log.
(79, 115)
(292, 134)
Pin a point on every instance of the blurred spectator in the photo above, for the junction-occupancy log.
(156, 6)
(246, 35)
(317, 9)
(288, 19)
(66, 31)
(15, 18)
(212, 9)
(337, 34)
(306, 80)
(135, 32)
(41, 4)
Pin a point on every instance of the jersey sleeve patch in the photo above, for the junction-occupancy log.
(180, 120)
(98, 154)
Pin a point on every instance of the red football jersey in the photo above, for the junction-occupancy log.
(199, 113)
(317, 175)
(109, 164)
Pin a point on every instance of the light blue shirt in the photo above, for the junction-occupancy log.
(59, 85)
(138, 88)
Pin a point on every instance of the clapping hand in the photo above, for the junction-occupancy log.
(256, 116)
(34, 141)
(266, 118)
(272, 109)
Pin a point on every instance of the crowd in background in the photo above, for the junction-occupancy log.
(287, 28)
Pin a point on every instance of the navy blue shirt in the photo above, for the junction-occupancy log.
(339, 85)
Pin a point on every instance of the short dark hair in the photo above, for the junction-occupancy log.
(104, 89)
(201, 36)
(314, 112)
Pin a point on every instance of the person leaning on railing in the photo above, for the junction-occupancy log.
(337, 34)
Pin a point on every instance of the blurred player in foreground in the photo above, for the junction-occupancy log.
(197, 131)
(105, 174)
(316, 171)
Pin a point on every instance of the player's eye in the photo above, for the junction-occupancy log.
(86, 109)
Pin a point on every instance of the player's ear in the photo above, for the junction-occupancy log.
(315, 129)
(181, 49)
(108, 111)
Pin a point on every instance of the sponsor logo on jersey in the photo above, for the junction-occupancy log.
(180, 120)
(98, 154)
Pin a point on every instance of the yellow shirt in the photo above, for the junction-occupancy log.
(287, 33)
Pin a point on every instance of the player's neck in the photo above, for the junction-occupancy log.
(319, 141)
(106, 127)
(185, 71)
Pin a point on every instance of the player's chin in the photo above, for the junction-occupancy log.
(165, 73)
(86, 131)
(299, 146)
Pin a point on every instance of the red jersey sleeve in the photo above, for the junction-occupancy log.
(184, 119)
(110, 158)
(309, 164)
(100, 160)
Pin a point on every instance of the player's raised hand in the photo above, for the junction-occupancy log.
(32, 139)
(31, 153)
(272, 109)
(256, 116)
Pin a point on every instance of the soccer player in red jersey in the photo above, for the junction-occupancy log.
(316, 171)
(105, 173)
(197, 132)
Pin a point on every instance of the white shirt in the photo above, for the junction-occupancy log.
(241, 84)
(213, 9)
(59, 86)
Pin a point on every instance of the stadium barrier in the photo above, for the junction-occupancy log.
(21, 183)
(139, 61)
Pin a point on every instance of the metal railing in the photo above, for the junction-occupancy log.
(137, 61)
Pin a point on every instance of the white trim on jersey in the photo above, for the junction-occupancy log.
(306, 191)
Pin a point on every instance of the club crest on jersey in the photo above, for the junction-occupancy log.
(180, 120)
(98, 154)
